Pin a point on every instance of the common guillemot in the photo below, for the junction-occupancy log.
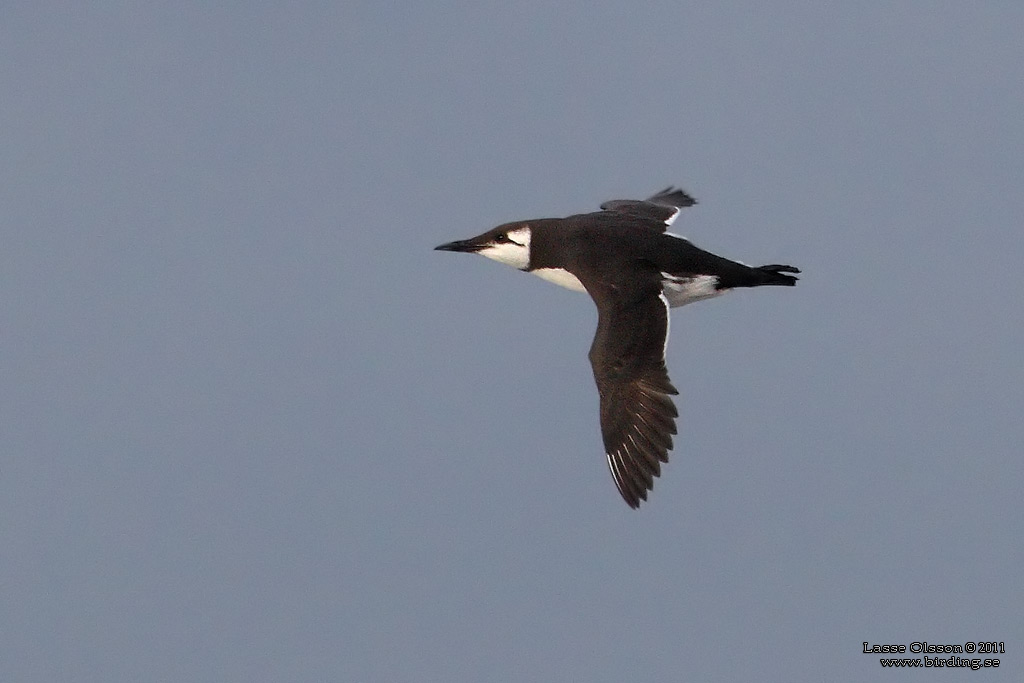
(634, 270)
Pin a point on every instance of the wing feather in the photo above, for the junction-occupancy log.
(663, 206)
(637, 413)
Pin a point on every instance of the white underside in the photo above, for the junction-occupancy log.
(668, 323)
(685, 290)
(560, 277)
(678, 291)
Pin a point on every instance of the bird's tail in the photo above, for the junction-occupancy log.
(774, 274)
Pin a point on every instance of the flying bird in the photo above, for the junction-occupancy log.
(634, 270)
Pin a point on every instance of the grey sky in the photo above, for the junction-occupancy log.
(254, 429)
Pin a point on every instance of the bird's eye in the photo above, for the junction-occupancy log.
(502, 239)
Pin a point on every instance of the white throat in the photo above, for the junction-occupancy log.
(515, 253)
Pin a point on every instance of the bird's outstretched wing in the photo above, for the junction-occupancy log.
(637, 415)
(663, 206)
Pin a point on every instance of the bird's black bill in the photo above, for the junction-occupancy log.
(459, 245)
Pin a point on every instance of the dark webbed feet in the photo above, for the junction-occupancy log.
(773, 275)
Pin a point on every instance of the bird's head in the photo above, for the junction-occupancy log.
(509, 243)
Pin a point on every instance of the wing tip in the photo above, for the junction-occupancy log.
(673, 196)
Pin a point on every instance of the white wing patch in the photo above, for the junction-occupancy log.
(673, 217)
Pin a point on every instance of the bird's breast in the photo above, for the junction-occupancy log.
(561, 277)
